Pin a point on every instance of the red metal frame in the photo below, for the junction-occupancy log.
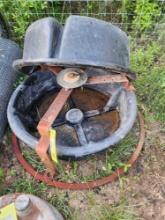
(79, 186)
(54, 109)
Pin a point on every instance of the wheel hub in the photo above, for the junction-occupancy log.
(74, 116)
(71, 78)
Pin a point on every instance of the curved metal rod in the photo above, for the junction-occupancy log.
(79, 186)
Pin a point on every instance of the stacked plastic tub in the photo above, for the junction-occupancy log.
(9, 51)
(96, 46)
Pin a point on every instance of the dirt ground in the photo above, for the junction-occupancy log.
(147, 192)
(143, 187)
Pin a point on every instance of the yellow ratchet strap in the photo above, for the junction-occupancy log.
(8, 212)
(53, 147)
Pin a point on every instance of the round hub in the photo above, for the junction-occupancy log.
(74, 116)
(71, 78)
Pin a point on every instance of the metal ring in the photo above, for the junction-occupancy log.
(79, 186)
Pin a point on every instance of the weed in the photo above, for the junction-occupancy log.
(150, 87)
(95, 166)
(22, 13)
(146, 13)
(150, 83)
(26, 185)
(1, 174)
(60, 201)
(109, 212)
(33, 159)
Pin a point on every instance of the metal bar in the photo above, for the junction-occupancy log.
(53, 111)
(41, 150)
(106, 79)
(93, 80)
(45, 125)
(113, 100)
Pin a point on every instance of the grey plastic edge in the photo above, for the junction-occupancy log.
(47, 42)
(128, 111)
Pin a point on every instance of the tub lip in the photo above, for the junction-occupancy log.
(62, 42)
(63, 151)
(19, 64)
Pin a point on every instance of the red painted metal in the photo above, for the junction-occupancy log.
(116, 78)
(106, 79)
(54, 109)
(44, 127)
(79, 186)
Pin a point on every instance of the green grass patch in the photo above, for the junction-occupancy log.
(119, 211)
(26, 185)
(146, 60)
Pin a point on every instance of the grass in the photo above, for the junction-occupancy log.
(22, 182)
(150, 84)
(27, 185)
(109, 161)
(147, 60)
(60, 200)
(119, 212)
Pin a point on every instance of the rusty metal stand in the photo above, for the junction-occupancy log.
(44, 127)
(79, 186)
(54, 109)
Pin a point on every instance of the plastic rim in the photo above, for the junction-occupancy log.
(80, 186)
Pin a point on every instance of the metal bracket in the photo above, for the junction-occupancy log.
(44, 127)
(116, 78)
(49, 117)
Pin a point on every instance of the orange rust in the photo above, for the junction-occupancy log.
(86, 100)
(86, 185)
(106, 79)
(54, 69)
(92, 80)
(45, 125)
(52, 112)
(41, 150)
(37, 207)
(111, 79)
(128, 86)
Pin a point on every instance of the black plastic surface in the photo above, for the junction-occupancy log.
(9, 51)
(83, 41)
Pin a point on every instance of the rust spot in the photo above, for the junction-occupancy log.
(85, 99)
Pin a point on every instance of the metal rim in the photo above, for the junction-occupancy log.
(80, 186)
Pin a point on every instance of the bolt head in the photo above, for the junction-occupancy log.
(22, 202)
(74, 116)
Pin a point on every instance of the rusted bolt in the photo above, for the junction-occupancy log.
(71, 77)
(23, 205)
